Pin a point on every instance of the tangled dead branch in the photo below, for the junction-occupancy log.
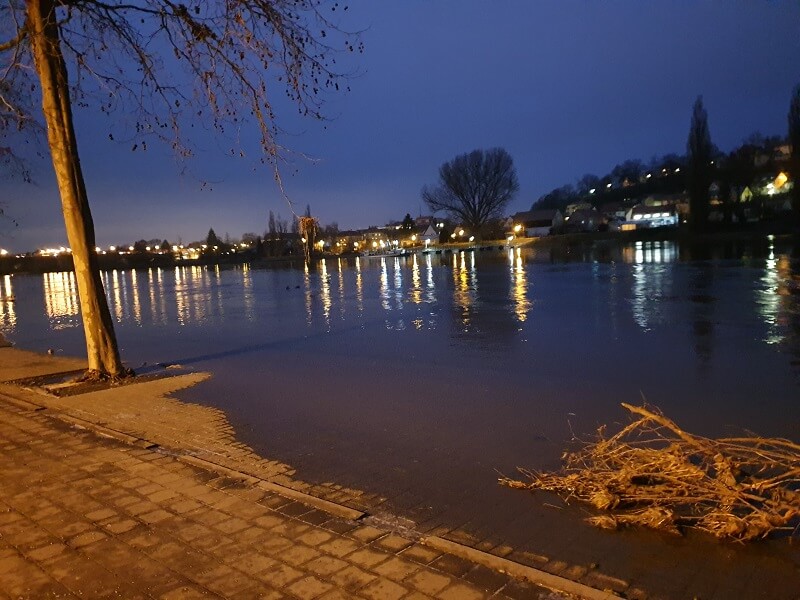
(654, 474)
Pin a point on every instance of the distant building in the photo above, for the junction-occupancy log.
(536, 223)
(571, 208)
(582, 220)
(429, 235)
(613, 211)
(643, 216)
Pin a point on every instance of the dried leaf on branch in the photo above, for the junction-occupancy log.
(654, 474)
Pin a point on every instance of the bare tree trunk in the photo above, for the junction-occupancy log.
(101, 343)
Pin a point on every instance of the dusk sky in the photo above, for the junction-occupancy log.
(567, 87)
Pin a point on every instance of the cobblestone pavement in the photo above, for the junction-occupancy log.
(87, 515)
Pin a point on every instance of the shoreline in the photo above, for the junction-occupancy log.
(147, 416)
(11, 265)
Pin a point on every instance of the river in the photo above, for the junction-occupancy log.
(422, 377)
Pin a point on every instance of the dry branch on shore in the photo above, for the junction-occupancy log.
(654, 474)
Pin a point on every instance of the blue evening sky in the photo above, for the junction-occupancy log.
(566, 86)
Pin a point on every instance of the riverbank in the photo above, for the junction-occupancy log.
(109, 494)
(715, 233)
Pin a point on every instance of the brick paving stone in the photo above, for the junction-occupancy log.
(396, 568)
(367, 557)
(459, 591)
(120, 526)
(84, 539)
(366, 533)
(383, 589)
(428, 582)
(392, 543)
(340, 526)
(268, 521)
(420, 554)
(486, 579)
(45, 553)
(352, 578)
(453, 565)
(280, 575)
(231, 526)
(418, 596)
(338, 546)
(309, 588)
(314, 537)
(185, 592)
(155, 517)
(298, 554)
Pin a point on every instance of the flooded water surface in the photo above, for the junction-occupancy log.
(421, 377)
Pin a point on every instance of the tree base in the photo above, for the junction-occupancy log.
(95, 376)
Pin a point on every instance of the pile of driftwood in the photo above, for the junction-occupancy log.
(654, 474)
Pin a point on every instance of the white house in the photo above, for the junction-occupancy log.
(536, 223)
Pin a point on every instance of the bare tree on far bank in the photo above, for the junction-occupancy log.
(474, 188)
(124, 57)
(794, 142)
(700, 170)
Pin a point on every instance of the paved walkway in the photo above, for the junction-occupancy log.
(90, 512)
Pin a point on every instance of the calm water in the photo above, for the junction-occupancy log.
(711, 335)
(420, 377)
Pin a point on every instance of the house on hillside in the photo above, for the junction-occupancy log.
(536, 223)
(644, 216)
(583, 220)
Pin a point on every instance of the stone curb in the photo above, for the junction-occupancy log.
(537, 576)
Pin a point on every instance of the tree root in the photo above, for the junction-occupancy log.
(95, 376)
(653, 474)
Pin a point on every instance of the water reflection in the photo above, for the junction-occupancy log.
(247, 290)
(359, 287)
(325, 291)
(519, 285)
(777, 275)
(430, 287)
(484, 297)
(702, 304)
(652, 280)
(61, 300)
(8, 316)
(416, 285)
(465, 287)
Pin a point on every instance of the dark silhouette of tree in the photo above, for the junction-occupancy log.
(587, 183)
(700, 170)
(408, 222)
(794, 160)
(165, 245)
(212, 239)
(558, 198)
(627, 173)
(124, 56)
(474, 187)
